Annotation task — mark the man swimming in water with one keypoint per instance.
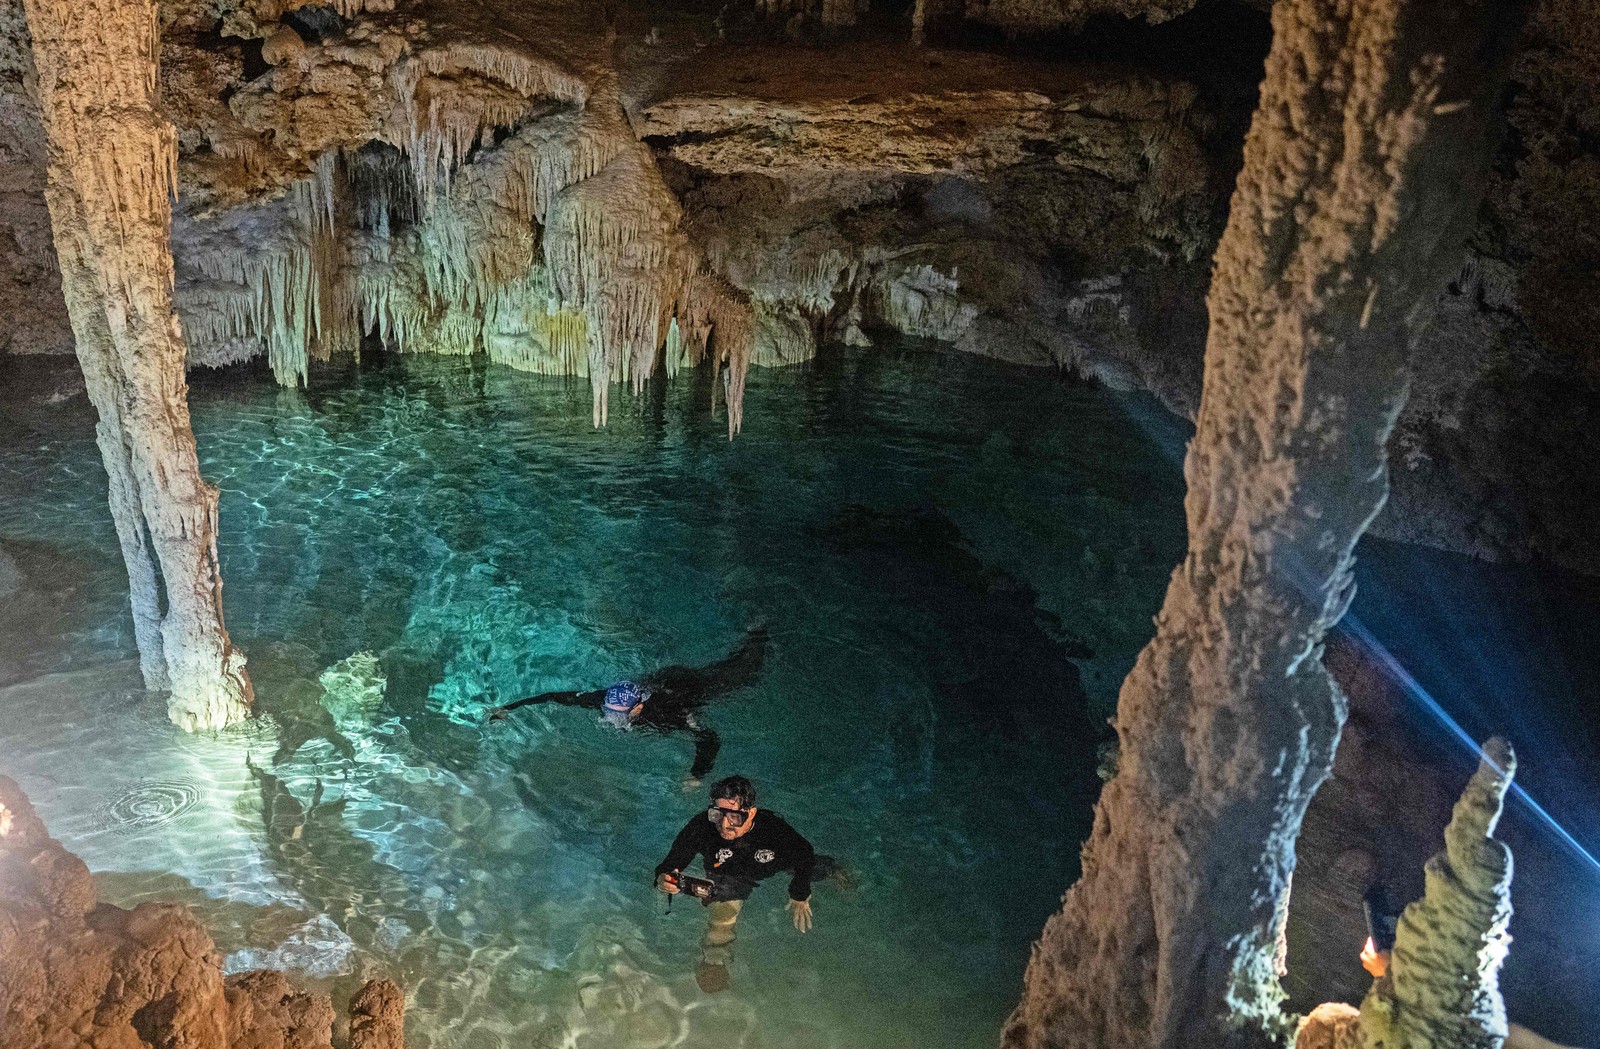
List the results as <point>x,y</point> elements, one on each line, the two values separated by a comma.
<point>740,846</point>
<point>669,699</point>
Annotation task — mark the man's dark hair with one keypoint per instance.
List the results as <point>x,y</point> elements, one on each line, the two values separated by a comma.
<point>736,789</point>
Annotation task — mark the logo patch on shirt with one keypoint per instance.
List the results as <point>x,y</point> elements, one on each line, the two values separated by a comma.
<point>765,856</point>
<point>723,856</point>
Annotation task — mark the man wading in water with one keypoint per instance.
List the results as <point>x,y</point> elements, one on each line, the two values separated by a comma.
<point>740,845</point>
<point>669,699</point>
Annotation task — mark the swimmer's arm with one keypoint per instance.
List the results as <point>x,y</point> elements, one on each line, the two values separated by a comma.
<point>592,699</point>
<point>803,860</point>
<point>684,846</point>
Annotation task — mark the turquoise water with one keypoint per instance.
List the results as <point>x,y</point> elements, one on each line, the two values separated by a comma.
<point>956,560</point>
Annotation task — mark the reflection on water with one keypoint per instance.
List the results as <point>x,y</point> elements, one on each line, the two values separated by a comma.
<point>956,562</point>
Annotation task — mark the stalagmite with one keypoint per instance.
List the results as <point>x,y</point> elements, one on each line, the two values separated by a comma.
<point>1442,987</point>
<point>1359,180</point>
<point>1442,990</point>
<point>112,172</point>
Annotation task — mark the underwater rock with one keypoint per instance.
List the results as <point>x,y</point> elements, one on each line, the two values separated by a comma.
<point>352,689</point>
<point>377,1016</point>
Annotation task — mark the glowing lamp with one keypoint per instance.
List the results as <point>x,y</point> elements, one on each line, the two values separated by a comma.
<point>1373,960</point>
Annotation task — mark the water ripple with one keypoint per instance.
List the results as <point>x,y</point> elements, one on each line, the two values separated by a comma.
<point>150,805</point>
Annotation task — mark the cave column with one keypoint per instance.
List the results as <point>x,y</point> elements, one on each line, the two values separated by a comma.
<point>112,172</point>
<point>1359,183</point>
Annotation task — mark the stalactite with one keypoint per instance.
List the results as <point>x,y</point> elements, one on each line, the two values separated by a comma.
<point>112,173</point>
<point>921,301</point>
<point>557,249</point>
<point>783,335</point>
<point>1357,190</point>
<point>612,246</point>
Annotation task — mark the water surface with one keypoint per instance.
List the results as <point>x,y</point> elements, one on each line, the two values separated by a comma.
<point>956,561</point>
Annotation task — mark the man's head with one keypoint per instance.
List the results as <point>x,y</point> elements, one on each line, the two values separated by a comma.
<point>622,704</point>
<point>733,807</point>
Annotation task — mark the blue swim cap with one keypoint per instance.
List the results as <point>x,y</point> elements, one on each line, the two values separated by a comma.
<point>624,696</point>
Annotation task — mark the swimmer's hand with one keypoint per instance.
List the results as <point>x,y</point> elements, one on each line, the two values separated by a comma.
<point>668,884</point>
<point>800,911</point>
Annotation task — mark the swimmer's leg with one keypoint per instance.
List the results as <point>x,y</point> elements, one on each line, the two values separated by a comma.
<point>716,949</point>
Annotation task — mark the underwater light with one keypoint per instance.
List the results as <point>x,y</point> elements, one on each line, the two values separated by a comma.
<point>1432,706</point>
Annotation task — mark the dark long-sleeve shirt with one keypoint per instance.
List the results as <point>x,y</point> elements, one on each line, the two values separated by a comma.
<point>676,696</point>
<point>663,712</point>
<point>735,867</point>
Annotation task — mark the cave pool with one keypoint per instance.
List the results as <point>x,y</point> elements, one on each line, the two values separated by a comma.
<point>956,560</point>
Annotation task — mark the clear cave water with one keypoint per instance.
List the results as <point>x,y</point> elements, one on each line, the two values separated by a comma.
<point>956,561</point>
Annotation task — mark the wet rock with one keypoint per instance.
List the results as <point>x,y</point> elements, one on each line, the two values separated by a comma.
<point>377,1016</point>
<point>266,1011</point>
<point>75,973</point>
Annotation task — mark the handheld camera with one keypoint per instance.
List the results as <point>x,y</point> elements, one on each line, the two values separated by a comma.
<point>699,888</point>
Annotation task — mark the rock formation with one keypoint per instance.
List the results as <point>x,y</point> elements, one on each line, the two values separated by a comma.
<point>111,176</point>
<point>1345,222</point>
<point>75,974</point>
<point>370,170</point>
<point>1441,989</point>
<point>377,1016</point>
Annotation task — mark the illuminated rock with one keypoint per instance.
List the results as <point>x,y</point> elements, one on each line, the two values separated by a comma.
<point>1334,1025</point>
<point>1442,990</point>
<point>377,1016</point>
<point>1442,987</point>
<point>1344,224</point>
<point>75,973</point>
<point>112,174</point>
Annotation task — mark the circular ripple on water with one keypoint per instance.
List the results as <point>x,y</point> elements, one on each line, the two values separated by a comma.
<point>150,804</point>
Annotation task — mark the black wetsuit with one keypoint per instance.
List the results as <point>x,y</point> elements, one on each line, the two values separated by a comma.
<point>735,867</point>
<point>676,696</point>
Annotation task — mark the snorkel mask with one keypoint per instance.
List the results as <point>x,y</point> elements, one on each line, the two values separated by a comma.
<point>620,700</point>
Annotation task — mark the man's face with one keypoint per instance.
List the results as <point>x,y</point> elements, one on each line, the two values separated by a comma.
<point>726,813</point>
<point>620,719</point>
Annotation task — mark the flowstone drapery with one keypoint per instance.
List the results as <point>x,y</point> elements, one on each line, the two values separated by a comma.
<point>484,201</point>
<point>112,174</point>
<point>1359,180</point>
